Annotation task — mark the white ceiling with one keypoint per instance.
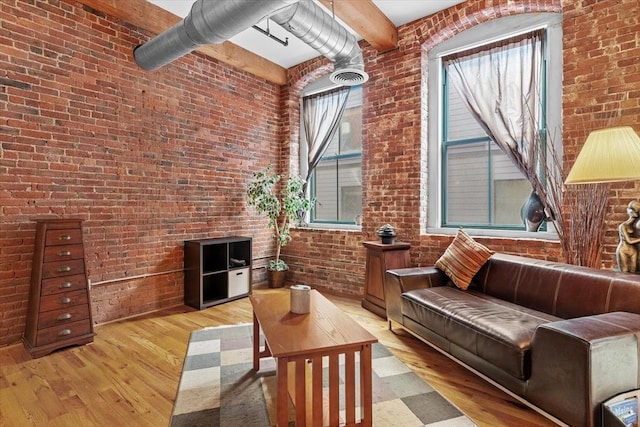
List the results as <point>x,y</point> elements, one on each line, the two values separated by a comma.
<point>398,11</point>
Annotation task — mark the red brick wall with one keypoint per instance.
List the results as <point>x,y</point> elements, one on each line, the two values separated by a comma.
<point>602,87</point>
<point>148,159</point>
<point>151,159</point>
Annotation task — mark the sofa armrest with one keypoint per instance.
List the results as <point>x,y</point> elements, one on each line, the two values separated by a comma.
<point>577,364</point>
<point>398,281</point>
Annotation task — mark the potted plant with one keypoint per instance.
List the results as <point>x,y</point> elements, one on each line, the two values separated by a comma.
<point>280,209</point>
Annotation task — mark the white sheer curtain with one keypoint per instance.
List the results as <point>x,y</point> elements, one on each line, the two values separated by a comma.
<point>321,115</point>
<point>502,89</point>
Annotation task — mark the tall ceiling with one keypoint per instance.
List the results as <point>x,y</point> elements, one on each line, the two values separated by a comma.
<point>375,21</point>
<point>398,12</point>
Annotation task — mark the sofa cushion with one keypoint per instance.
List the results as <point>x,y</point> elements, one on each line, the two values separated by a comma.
<point>497,331</point>
<point>462,259</point>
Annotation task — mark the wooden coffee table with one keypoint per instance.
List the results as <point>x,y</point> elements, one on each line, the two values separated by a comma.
<point>299,342</point>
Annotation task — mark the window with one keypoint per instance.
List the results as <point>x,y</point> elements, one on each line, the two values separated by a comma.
<point>481,186</point>
<point>336,182</point>
<point>472,182</point>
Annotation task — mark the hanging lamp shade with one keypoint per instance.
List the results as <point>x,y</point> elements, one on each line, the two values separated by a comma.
<point>608,155</point>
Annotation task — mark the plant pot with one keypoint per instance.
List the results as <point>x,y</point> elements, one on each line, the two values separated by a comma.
<point>276,278</point>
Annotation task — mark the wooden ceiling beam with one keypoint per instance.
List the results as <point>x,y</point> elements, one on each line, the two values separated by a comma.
<point>367,20</point>
<point>156,20</point>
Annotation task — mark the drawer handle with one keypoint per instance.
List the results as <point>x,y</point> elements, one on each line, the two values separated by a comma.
<point>64,253</point>
<point>65,316</point>
<point>64,269</point>
<point>64,237</point>
<point>65,300</point>
<point>240,273</point>
<point>64,332</point>
<point>64,285</point>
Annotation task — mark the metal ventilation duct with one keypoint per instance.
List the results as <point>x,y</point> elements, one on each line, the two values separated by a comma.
<point>214,21</point>
<point>307,21</point>
<point>209,22</point>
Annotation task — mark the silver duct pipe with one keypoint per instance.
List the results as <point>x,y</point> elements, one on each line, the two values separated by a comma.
<point>209,22</point>
<point>314,26</point>
<point>214,21</point>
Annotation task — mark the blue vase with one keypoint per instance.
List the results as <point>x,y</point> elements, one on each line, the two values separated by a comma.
<point>532,212</point>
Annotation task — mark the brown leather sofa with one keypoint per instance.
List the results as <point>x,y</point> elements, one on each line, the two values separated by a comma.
<point>564,338</point>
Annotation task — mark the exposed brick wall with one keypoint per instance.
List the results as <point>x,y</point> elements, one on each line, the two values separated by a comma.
<point>600,38</point>
<point>151,159</point>
<point>148,159</point>
<point>331,261</point>
<point>602,87</point>
<point>392,157</point>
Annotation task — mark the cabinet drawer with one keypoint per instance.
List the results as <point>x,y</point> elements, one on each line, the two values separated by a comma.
<point>57,285</point>
<point>63,332</point>
<point>61,301</point>
<point>62,268</point>
<point>62,253</point>
<point>238,282</point>
<point>71,236</point>
<point>63,316</point>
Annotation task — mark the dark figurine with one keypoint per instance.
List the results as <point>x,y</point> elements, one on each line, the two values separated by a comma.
<point>387,234</point>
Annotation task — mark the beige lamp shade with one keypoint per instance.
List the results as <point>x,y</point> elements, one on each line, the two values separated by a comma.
<point>608,155</point>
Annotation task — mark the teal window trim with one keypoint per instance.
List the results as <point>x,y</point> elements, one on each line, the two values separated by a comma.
<point>489,145</point>
<point>334,222</point>
<point>312,213</point>
<point>446,143</point>
<point>443,145</point>
<point>551,130</point>
<point>337,158</point>
<point>341,157</point>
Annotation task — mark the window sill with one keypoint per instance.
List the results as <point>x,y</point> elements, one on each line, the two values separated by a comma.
<point>550,235</point>
<point>322,226</point>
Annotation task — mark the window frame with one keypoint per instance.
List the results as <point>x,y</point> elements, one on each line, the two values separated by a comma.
<point>337,158</point>
<point>433,122</point>
<point>324,85</point>
<point>490,149</point>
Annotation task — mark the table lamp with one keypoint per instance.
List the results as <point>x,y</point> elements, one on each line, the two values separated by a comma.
<point>613,155</point>
<point>608,155</point>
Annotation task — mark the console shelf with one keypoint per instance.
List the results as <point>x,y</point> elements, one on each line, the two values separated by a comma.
<point>216,270</point>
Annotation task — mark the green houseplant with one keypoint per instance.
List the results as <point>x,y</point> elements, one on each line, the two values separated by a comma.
<point>281,209</point>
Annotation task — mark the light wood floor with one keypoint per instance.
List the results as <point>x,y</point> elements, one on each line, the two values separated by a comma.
<point>129,375</point>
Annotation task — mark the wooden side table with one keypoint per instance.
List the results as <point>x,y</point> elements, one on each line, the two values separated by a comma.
<point>380,258</point>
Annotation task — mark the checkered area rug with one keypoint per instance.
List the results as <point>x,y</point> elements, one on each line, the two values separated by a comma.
<point>219,388</point>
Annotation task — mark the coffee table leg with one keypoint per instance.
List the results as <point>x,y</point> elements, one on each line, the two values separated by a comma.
<point>282,402</point>
<point>256,344</point>
<point>366,382</point>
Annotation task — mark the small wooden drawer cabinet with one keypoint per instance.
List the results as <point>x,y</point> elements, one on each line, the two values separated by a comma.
<point>59,312</point>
